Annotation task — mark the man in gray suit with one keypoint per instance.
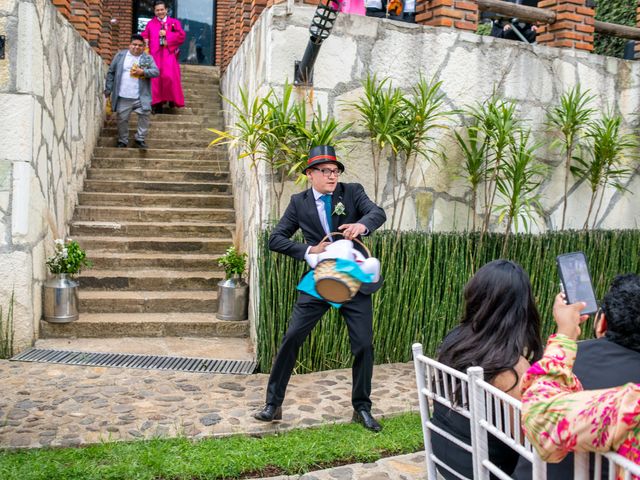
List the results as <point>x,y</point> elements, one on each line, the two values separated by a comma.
<point>128,84</point>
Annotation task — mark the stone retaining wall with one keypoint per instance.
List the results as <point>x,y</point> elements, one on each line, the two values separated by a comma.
<point>51,110</point>
<point>470,67</point>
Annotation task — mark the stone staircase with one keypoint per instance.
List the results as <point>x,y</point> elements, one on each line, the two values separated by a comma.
<point>154,222</point>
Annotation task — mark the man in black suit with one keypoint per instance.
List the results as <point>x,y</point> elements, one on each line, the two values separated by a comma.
<point>610,360</point>
<point>327,206</point>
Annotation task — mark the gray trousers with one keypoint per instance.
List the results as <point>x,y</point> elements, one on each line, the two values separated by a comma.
<point>124,109</point>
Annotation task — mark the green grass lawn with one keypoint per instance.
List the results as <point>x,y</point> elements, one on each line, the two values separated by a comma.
<point>239,456</point>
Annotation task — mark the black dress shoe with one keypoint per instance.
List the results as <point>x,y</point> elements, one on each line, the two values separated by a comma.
<point>122,145</point>
<point>141,144</point>
<point>364,418</point>
<point>269,413</point>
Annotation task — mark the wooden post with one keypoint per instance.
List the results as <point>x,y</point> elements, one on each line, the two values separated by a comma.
<point>460,14</point>
<point>573,28</point>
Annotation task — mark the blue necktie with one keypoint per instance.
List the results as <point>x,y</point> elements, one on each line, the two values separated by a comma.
<point>327,210</point>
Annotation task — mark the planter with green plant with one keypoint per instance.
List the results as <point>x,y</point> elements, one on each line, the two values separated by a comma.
<point>61,290</point>
<point>233,291</point>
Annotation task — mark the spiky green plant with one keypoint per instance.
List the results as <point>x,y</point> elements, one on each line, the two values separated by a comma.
<point>247,134</point>
<point>472,146</point>
<point>422,113</point>
<point>569,119</point>
<point>518,185</point>
<point>603,165</point>
<point>381,112</point>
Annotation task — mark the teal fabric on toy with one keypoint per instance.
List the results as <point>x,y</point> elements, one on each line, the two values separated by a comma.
<point>308,282</point>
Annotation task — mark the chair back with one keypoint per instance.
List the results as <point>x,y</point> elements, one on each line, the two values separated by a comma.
<point>618,466</point>
<point>437,382</point>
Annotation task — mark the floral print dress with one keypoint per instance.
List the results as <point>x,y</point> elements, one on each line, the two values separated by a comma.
<point>559,417</point>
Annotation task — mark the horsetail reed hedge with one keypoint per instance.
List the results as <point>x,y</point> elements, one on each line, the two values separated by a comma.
<point>421,299</point>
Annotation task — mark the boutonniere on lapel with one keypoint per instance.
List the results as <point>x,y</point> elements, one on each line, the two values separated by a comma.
<point>339,209</point>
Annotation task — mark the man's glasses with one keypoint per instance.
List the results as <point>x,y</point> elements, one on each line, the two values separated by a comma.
<point>327,172</point>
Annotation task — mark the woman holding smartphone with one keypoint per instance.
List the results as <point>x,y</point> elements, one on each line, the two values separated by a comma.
<point>500,332</point>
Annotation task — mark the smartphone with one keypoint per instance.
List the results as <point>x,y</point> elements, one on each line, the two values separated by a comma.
<point>576,281</point>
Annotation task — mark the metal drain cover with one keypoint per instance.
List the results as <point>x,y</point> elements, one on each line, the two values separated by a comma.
<point>127,360</point>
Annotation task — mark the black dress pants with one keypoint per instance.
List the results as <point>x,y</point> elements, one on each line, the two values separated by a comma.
<point>358,314</point>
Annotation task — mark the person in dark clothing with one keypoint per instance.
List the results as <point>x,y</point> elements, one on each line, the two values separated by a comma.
<point>500,332</point>
<point>610,360</point>
<point>501,28</point>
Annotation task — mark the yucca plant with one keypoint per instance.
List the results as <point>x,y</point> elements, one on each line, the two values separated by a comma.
<point>279,139</point>
<point>247,134</point>
<point>381,111</point>
<point>497,120</point>
<point>473,148</point>
<point>603,165</point>
<point>521,177</point>
<point>421,115</point>
<point>569,120</point>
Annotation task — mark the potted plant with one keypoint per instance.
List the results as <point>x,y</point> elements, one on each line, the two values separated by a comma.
<point>233,291</point>
<point>61,291</point>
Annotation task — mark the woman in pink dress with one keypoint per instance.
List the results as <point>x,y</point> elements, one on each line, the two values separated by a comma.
<point>164,35</point>
<point>355,7</point>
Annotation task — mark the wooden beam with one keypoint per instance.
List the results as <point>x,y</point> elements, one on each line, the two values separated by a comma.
<point>521,12</point>
<point>615,30</point>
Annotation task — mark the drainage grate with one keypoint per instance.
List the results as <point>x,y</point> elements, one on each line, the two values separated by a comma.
<point>147,362</point>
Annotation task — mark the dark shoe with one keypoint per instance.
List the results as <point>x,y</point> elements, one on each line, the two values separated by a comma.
<point>122,145</point>
<point>269,413</point>
<point>364,418</point>
<point>156,108</point>
<point>141,144</point>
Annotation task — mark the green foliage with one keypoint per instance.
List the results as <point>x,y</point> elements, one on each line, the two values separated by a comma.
<point>288,453</point>
<point>425,274</point>
<point>603,165</point>
<point>622,12</point>
<point>233,262</point>
<point>6,330</point>
<point>569,119</point>
<point>68,258</point>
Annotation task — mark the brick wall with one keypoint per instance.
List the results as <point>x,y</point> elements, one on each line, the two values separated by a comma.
<point>460,14</point>
<point>573,28</point>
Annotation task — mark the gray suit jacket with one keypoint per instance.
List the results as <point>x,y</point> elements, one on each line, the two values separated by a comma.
<point>112,84</point>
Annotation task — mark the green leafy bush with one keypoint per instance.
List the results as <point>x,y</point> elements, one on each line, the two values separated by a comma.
<point>68,258</point>
<point>6,330</point>
<point>233,262</point>
<point>622,12</point>
<point>424,275</point>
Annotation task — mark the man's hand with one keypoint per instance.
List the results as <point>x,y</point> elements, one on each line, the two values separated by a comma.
<point>352,230</point>
<point>137,71</point>
<point>319,248</point>
<point>568,317</point>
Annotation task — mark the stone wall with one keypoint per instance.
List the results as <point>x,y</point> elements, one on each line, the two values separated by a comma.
<point>51,110</point>
<point>470,67</point>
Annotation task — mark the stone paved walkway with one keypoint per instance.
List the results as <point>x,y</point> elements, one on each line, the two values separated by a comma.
<point>59,405</point>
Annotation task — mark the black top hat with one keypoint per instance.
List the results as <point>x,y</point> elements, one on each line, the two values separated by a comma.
<point>323,154</point>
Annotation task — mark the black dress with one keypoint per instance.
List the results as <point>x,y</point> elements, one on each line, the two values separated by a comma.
<point>457,425</point>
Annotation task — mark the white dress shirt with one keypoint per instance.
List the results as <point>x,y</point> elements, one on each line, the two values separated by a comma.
<point>129,86</point>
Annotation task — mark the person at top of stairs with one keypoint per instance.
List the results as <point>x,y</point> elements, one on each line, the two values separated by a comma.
<point>128,85</point>
<point>164,35</point>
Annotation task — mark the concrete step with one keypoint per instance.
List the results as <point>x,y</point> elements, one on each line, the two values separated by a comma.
<point>173,200</point>
<point>154,260</point>
<point>150,244</point>
<point>160,301</point>
<point>165,133</point>
<point>215,120</point>
<point>160,164</point>
<point>231,348</point>
<point>164,153</point>
<point>147,280</point>
<point>139,186</point>
<point>147,324</point>
<point>159,229</point>
<point>158,143</point>
<point>135,174</point>
<point>152,214</point>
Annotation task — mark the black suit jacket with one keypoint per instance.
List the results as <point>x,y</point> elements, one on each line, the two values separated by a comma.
<point>302,214</point>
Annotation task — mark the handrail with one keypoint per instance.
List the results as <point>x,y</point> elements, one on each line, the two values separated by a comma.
<point>543,15</point>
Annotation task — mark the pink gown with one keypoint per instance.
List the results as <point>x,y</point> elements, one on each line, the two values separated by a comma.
<point>355,7</point>
<point>167,87</point>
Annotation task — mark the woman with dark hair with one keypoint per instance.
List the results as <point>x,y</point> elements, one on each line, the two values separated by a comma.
<point>500,332</point>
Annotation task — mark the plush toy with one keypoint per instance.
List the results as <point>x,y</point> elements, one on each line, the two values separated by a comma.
<point>344,249</point>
